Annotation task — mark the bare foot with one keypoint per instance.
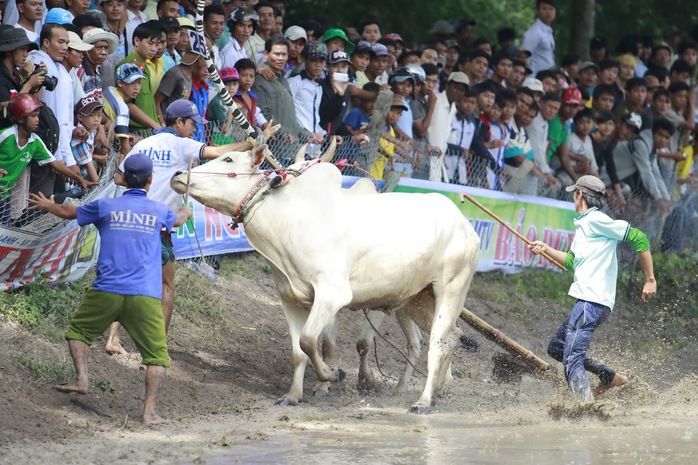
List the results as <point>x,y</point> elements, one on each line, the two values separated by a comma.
<point>152,419</point>
<point>618,380</point>
<point>77,386</point>
<point>115,348</point>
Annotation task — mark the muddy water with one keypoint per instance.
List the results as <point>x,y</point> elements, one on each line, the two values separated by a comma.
<point>449,439</point>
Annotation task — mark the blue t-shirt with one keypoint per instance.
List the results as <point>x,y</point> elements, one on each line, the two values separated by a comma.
<point>356,119</point>
<point>129,255</point>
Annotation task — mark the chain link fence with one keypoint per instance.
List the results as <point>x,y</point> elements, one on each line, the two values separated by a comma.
<point>670,225</point>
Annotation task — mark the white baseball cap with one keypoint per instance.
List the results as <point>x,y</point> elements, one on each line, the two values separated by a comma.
<point>533,84</point>
<point>76,43</point>
<point>294,33</point>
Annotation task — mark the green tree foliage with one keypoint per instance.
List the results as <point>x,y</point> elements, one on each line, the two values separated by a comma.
<point>413,19</point>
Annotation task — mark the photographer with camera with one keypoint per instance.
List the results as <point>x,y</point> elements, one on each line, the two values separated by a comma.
<point>17,74</point>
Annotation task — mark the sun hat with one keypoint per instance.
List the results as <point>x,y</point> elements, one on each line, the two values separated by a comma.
<point>588,64</point>
<point>442,27</point>
<point>363,46</point>
<point>76,43</point>
<point>334,33</point>
<point>533,84</point>
<point>380,50</point>
<point>398,102</point>
<point>394,36</point>
<point>95,35</point>
<point>571,96</point>
<point>12,38</point>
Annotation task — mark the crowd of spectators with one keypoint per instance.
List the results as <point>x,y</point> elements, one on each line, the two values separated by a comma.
<point>502,115</point>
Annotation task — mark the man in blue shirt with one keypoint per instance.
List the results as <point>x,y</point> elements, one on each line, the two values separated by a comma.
<point>539,39</point>
<point>593,257</point>
<point>128,283</point>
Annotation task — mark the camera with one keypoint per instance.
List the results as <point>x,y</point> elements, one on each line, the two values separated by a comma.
<point>50,82</point>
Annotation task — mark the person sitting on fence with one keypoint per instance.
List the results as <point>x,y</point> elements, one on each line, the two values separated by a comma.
<point>128,227</point>
<point>19,146</point>
<point>172,150</point>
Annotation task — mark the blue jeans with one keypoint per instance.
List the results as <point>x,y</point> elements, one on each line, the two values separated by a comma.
<point>570,345</point>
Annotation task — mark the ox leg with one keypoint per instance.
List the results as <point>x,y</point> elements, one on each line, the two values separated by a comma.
<point>443,339</point>
<point>296,318</point>
<point>325,307</point>
<point>329,344</point>
<point>414,346</point>
<point>364,345</point>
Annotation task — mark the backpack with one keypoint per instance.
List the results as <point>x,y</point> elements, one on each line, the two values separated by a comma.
<point>49,129</point>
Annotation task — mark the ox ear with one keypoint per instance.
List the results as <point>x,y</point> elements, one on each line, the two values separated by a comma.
<point>329,153</point>
<point>258,155</point>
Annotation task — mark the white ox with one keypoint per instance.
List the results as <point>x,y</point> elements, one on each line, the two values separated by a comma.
<point>331,248</point>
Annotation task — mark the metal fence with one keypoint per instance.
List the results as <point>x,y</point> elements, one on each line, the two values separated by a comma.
<point>670,226</point>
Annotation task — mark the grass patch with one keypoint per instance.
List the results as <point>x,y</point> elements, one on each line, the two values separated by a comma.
<point>43,308</point>
<point>45,371</point>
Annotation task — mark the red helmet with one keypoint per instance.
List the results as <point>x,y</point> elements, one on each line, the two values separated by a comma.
<point>22,105</point>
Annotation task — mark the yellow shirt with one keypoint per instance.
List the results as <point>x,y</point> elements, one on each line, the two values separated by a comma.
<point>383,155</point>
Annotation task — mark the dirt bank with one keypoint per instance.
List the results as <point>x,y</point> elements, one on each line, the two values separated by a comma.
<point>231,358</point>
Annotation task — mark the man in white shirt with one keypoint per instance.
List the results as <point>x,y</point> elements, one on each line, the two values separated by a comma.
<point>242,24</point>
<point>538,134</point>
<point>539,39</point>
<point>255,46</point>
<point>134,17</point>
<point>440,127</point>
<point>31,15</point>
<point>54,48</point>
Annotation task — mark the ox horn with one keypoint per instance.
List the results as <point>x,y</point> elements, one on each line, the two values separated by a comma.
<point>269,157</point>
<point>329,153</point>
<point>300,155</point>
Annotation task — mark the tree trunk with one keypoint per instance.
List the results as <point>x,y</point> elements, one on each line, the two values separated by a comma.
<point>582,27</point>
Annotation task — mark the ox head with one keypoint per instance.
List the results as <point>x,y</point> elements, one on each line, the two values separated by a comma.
<point>222,183</point>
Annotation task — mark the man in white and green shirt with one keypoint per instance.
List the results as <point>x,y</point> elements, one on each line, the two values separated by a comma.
<point>593,257</point>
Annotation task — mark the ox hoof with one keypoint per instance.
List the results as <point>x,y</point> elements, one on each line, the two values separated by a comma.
<point>341,374</point>
<point>321,393</point>
<point>284,401</point>
<point>419,410</point>
<point>469,344</point>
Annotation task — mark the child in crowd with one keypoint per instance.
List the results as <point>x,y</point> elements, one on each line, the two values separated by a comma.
<point>604,143</point>
<point>245,99</point>
<point>460,139</point>
<point>142,110</point>
<point>89,114</point>
<point>19,146</point>
<point>498,137</point>
<point>199,95</point>
<point>357,119</point>
<point>171,56</point>
<point>114,100</point>
<point>388,142</point>
<point>581,148</point>
<point>218,112</point>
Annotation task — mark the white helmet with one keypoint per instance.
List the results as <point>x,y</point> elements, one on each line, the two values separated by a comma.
<point>418,72</point>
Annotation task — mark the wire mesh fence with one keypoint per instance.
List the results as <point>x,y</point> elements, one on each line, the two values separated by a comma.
<point>671,225</point>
